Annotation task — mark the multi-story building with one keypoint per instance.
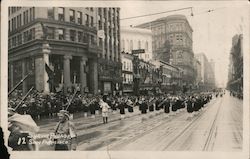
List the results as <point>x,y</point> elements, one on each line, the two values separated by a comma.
<point>127,72</point>
<point>133,39</point>
<point>59,47</point>
<point>109,62</point>
<point>137,38</point>
<point>207,72</point>
<point>235,72</point>
<point>172,43</point>
<point>171,77</point>
<point>198,72</point>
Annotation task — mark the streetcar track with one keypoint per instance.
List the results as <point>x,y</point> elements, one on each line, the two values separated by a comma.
<point>185,129</point>
<point>134,138</point>
<point>134,126</point>
<point>148,127</point>
<point>212,129</point>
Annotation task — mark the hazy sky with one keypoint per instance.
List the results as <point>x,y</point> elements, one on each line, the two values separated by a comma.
<point>212,31</point>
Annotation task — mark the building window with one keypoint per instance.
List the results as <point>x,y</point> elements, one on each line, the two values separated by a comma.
<point>32,13</point>
<point>92,21</point>
<point>92,40</point>
<point>80,36</point>
<point>51,33</point>
<point>14,24</point>
<point>51,13</point>
<point>79,17</point>
<point>18,24</point>
<point>9,25</point>
<point>100,25</point>
<point>61,34</point>
<point>71,15</point>
<point>9,43</point>
<point>14,41</point>
<point>139,44</point>
<point>31,34</point>
<point>25,17</point>
<point>72,35</point>
<point>86,19</point>
<point>61,14</point>
<point>25,36</point>
<point>19,39</point>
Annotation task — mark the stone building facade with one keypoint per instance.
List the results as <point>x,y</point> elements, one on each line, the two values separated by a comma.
<point>136,38</point>
<point>172,43</point>
<point>109,62</point>
<point>65,39</point>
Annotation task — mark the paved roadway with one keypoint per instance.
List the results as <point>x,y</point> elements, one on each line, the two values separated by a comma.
<point>218,127</point>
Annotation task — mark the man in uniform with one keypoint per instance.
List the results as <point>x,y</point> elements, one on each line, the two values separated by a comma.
<point>65,133</point>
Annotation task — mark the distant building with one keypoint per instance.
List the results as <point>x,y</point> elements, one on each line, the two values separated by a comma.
<point>172,43</point>
<point>198,69</point>
<point>235,72</point>
<point>137,38</point>
<point>127,72</point>
<point>207,72</point>
<point>171,77</point>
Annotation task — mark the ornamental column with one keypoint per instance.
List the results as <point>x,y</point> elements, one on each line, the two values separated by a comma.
<point>83,76</point>
<point>66,72</point>
<point>46,52</point>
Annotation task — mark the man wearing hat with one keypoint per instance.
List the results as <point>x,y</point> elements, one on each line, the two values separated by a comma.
<point>65,133</point>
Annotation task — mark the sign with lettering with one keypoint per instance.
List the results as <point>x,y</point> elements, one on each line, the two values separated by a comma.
<point>139,51</point>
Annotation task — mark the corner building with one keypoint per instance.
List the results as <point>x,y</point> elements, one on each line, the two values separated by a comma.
<point>172,37</point>
<point>109,61</point>
<point>71,50</point>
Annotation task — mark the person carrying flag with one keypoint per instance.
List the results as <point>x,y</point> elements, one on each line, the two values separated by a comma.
<point>65,133</point>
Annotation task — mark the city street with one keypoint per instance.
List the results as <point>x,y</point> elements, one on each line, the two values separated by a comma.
<point>218,127</point>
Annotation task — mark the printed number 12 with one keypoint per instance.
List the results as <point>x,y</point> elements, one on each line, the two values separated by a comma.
<point>21,141</point>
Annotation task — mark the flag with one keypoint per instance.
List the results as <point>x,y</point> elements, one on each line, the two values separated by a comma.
<point>51,76</point>
<point>25,122</point>
<point>49,72</point>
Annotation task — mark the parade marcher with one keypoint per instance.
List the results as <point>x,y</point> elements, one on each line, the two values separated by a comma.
<point>143,106</point>
<point>92,108</point>
<point>130,106</point>
<point>105,108</point>
<point>167,105</point>
<point>65,133</point>
<point>121,106</point>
